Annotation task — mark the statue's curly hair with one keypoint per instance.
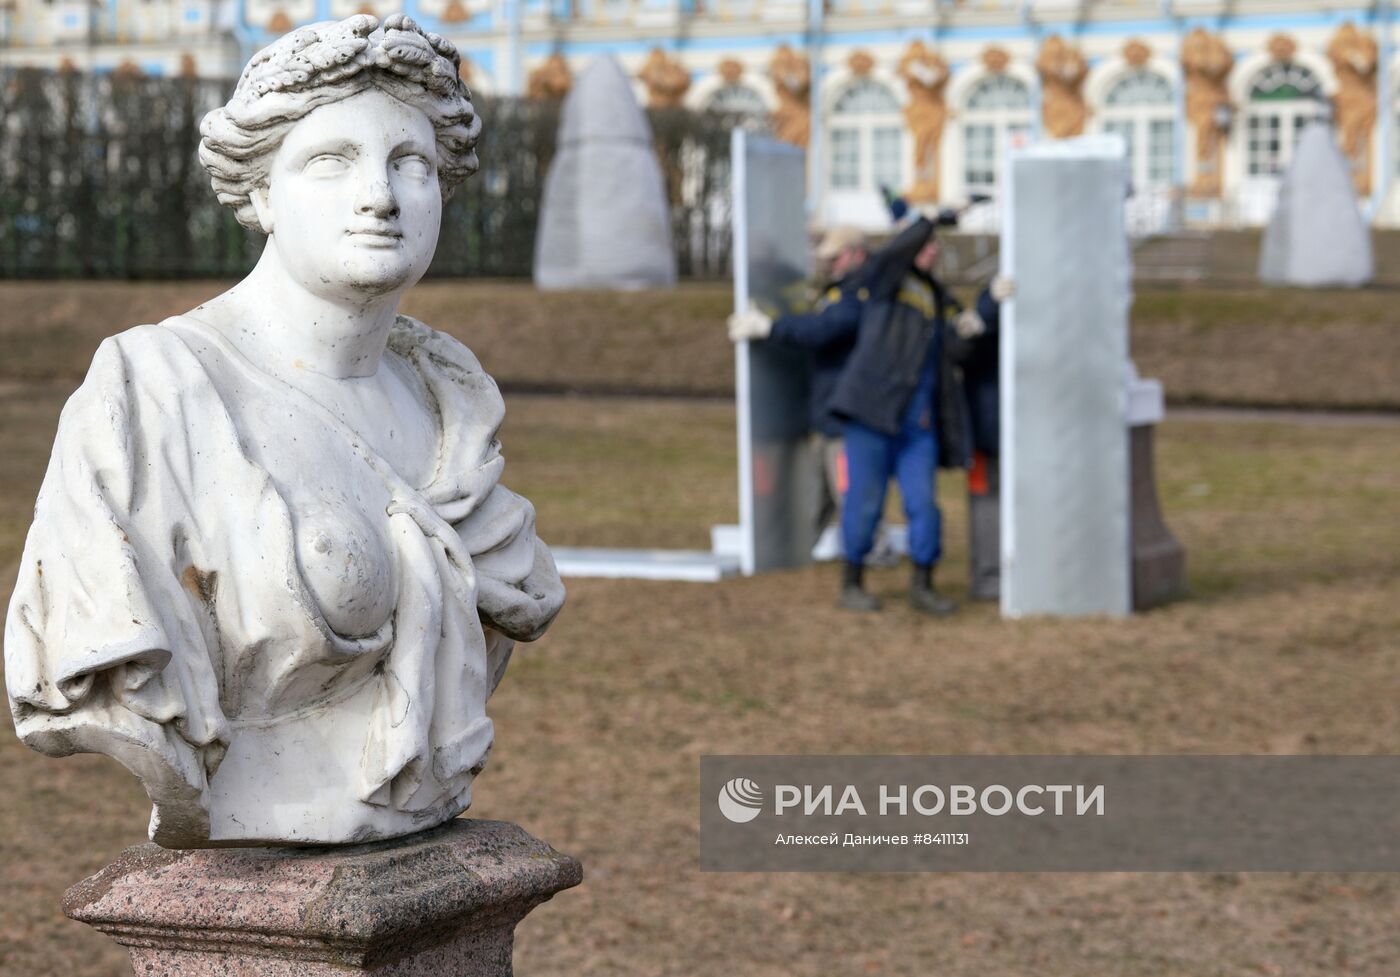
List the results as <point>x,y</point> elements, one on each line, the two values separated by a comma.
<point>324,63</point>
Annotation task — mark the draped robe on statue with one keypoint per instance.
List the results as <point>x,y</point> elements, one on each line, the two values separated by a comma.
<point>229,591</point>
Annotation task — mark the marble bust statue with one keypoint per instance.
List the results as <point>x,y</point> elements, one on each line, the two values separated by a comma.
<point>272,568</point>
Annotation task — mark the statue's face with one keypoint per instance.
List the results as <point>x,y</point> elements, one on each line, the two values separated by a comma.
<point>353,202</point>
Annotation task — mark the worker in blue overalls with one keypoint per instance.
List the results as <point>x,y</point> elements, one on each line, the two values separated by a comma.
<point>904,414</point>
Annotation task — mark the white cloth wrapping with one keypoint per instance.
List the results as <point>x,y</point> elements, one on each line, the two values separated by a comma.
<point>162,601</point>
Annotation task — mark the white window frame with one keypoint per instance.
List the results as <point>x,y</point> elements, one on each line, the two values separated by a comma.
<point>1290,115</point>
<point>848,122</point>
<point>1006,122</point>
<point>737,93</point>
<point>1135,119</point>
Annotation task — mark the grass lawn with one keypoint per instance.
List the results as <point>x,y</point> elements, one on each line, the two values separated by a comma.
<point>1290,643</point>
<point>1330,348</point>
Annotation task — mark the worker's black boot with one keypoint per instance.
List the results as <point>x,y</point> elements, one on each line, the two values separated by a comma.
<point>854,597</point>
<point>924,598</point>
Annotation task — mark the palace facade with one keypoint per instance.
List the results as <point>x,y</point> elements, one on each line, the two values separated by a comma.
<point>922,95</point>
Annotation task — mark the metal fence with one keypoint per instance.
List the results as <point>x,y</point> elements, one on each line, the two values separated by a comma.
<point>99,179</point>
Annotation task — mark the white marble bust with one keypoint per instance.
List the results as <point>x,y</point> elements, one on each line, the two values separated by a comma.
<point>272,568</point>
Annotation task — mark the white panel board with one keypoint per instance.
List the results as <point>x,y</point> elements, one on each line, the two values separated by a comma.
<point>771,262</point>
<point>691,565</point>
<point>1066,540</point>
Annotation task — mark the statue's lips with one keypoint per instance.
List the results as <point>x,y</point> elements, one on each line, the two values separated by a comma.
<point>374,238</point>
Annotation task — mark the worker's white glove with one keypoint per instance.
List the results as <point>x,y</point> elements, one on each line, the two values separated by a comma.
<point>968,324</point>
<point>1002,288</point>
<point>749,324</point>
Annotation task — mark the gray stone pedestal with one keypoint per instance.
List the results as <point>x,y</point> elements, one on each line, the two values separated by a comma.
<point>443,903</point>
<point>984,528</point>
<point>1159,562</point>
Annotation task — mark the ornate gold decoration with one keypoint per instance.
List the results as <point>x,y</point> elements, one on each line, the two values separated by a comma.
<point>128,70</point>
<point>995,59</point>
<point>1062,72</point>
<point>792,78</point>
<point>456,13</point>
<point>1136,53</point>
<point>666,80</point>
<point>1354,58</point>
<point>551,79</point>
<point>279,23</point>
<point>1282,48</point>
<point>926,76</point>
<point>860,63</point>
<point>188,67</point>
<point>731,71</point>
<point>1206,62</point>
<point>466,70</point>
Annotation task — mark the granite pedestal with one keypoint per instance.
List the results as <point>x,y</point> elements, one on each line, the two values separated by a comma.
<point>442,903</point>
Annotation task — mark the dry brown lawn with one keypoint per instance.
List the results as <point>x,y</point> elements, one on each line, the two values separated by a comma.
<point>1290,643</point>
<point>1329,348</point>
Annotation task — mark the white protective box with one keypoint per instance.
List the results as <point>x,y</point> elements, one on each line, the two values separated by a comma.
<point>1065,502</point>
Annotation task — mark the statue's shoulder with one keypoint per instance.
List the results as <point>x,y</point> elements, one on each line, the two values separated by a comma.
<point>411,338</point>
<point>148,355</point>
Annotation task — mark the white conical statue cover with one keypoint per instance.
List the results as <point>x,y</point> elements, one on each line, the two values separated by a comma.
<point>1317,236</point>
<point>604,221</point>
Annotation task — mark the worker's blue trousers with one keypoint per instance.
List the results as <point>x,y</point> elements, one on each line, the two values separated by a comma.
<point>872,458</point>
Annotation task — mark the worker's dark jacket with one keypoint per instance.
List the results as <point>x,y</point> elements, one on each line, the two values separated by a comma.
<point>899,331</point>
<point>979,358</point>
<point>830,334</point>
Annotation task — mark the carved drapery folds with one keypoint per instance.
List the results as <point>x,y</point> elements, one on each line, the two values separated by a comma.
<point>792,80</point>
<point>1206,63</point>
<point>1354,58</point>
<point>1062,71</point>
<point>551,79</point>
<point>926,76</point>
<point>666,80</point>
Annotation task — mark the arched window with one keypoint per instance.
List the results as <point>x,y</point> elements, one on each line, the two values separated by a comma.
<point>1282,101</point>
<point>866,138</point>
<point>997,116</point>
<point>1140,107</point>
<point>737,98</point>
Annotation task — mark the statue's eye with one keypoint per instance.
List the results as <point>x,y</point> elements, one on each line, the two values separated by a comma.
<point>326,165</point>
<point>413,167</point>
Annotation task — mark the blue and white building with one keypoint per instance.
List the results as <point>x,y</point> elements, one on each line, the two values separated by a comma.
<point>860,136</point>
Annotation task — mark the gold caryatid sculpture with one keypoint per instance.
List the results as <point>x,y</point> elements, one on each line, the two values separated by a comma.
<point>1206,62</point>
<point>1354,59</point>
<point>995,59</point>
<point>1062,71</point>
<point>926,75</point>
<point>666,80</point>
<point>551,80</point>
<point>792,80</point>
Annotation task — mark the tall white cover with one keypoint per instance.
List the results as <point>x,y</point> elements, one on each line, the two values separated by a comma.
<point>1065,488</point>
<point>1317,237</point>
<point>604,222</point>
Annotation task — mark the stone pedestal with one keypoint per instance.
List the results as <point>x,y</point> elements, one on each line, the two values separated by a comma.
<point>984,527</point>
<point>443,903</point>
<point>1159,562</point>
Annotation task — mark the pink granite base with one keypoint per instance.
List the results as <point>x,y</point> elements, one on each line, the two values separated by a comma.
<point>443,903</point>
